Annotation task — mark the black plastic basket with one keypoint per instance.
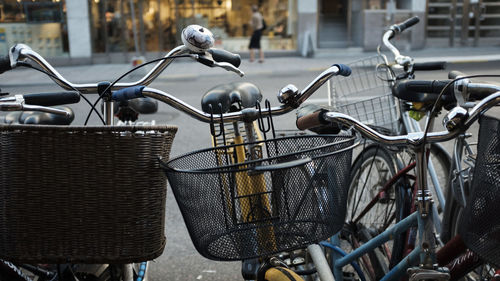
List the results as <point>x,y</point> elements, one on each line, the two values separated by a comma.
<point>293,197</point>
<point>480,224</point>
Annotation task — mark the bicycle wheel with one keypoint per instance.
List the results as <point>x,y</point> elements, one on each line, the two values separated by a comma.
<point>105,272</point>
<point>366,218</point>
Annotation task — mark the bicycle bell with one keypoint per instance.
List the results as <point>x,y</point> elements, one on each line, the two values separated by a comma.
<point>197,38</point>
<point>455,118</point>
<point>287,93</point>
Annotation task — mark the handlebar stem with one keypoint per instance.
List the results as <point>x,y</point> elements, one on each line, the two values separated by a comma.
<point>400,59</point>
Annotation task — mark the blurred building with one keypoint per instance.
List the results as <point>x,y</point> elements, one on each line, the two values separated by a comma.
<point>77,31</point>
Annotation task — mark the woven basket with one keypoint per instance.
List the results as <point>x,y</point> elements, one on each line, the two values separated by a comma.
<point>82,194</point>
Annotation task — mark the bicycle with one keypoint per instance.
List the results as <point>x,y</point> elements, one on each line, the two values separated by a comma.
<point>457,121</point>
<point>368,95</point>
<point>143,249</point>
<point>196,47</point>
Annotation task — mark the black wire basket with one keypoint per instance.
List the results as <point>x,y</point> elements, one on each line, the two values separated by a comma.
<point>480,224</point>
<point>293,196</point>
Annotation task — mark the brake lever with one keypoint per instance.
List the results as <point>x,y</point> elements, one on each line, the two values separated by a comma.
<point>229,67</point>
<point>16,106</point>
<point>207,60</point>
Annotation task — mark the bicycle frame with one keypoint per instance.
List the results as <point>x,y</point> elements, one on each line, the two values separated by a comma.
<point>425,252</point>
<point>400,269</point>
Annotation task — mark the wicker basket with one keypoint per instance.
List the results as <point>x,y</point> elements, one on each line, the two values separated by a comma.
<point>294,197</point>
<point>480,223</point>
<point>366,94</point>
<point>82,194</point>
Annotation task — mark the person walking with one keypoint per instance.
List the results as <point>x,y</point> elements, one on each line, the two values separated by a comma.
<point>257,24</point>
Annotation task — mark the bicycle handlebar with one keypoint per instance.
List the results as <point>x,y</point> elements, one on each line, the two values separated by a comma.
<point>437,65</point>
<point>220,55</point>
<point>204,54</point>
<point>222,59</point>
<point>52,99</point>
<point>398,28</point>
<point>247,114</point>
<point>39,102</point>
<point>414,139</point>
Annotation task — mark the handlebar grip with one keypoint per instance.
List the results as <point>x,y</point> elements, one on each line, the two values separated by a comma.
<point>128,93</point>
<point>406,24</point>
<point>5,63</point>
<point>309,121</point>
<point>220,55</point>
<point>51,99</point>
<point>455,74</point>
<point>344,70</point>
<point>438,65</point>
<point>419,90</point>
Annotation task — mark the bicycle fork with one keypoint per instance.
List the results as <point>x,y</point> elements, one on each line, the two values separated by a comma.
<point>428,268</point>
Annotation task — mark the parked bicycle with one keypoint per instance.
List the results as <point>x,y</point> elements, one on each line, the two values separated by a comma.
<point>457,121</point>
<point>376,199</point>
<point>262,210</point>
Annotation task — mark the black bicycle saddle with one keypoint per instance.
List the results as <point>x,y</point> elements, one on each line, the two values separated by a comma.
<point>40,118</point>
<point>242,93</point>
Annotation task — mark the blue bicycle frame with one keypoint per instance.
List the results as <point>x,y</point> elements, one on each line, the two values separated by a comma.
<point>397,229</point>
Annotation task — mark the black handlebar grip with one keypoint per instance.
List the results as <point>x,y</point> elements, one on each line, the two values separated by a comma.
<point>51,99</point>
<point>225,56</point>
<point>438,65</point>
<point>422,90</point>
<point>5,64</point>
<point>455,74</point>
<point>344,70</point>
<point>406,24</point>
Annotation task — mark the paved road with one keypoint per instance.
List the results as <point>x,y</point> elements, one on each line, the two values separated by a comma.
<point>180,261</point>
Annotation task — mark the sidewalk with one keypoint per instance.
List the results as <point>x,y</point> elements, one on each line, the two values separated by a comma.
<point>185,68</point>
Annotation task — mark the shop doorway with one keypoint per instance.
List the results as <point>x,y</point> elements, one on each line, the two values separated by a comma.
<point>334,23</point>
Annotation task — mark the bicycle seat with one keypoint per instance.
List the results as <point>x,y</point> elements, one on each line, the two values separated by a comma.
<point>40,118</point>
<point>243,93</point>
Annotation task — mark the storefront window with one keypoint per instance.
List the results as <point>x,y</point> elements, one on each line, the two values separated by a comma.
<point>154,25</point>
<point>39,24</point>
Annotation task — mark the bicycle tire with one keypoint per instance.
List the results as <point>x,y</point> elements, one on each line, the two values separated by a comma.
<point>373,167</point>
<point>94,272</point>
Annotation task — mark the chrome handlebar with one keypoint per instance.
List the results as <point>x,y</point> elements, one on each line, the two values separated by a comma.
<point>247,114</point>
<point>22,52</point>
<point>400,59</point>
<point>416,139</point>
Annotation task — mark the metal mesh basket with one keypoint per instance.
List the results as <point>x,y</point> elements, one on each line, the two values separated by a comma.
<point>480,223</point>
<point>294,197</point>
<point>365,94</point>
<point>82,194</point>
